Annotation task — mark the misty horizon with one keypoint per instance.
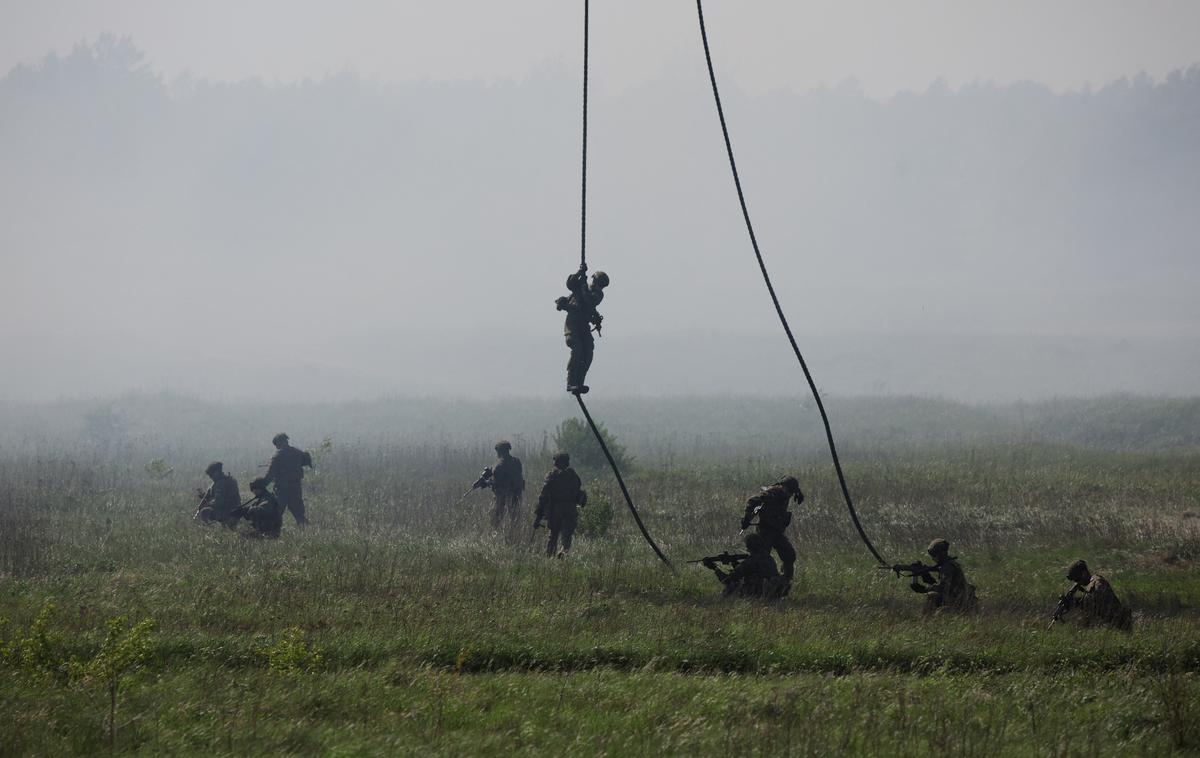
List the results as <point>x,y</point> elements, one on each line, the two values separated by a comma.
<point>342,237</point>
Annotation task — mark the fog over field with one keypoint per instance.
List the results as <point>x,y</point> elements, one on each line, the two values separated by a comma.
<point>376,225</point>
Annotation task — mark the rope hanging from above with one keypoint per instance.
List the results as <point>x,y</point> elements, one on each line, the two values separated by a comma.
<point>837,464</point>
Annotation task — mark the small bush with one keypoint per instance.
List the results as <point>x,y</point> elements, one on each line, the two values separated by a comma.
<point>595,518</point>
<point>575,437</point>
<point>292,653</point>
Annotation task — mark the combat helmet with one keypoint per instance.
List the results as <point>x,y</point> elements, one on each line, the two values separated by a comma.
<point>216,467</point>
<point>600,279</point>
<point>755,542</point>
<point>503,445</point>
<point>563,458</point>
<point>938,546</point>
<point>279,439</point>
<point>1077,571</point>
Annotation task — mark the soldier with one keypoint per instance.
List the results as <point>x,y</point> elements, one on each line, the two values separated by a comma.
<point>286,471</point>
<point>1098,603</point>
<point>756,576</point>
<point>561,494</point>
<point>508,484</point>
<point>265,513</point>
<point>221,499</point>
<point>771,508</point>
<point>581,315</point>
<point>951,590</point>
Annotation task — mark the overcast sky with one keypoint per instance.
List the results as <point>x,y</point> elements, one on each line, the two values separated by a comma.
<point>886,45</point>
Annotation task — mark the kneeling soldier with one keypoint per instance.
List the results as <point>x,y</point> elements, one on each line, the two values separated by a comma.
<point>562,494</point>
<point>265,512</point>
<point>1097,603</point>
<point>221,499</point>
<point>950,590</point>
<point>757,575</point>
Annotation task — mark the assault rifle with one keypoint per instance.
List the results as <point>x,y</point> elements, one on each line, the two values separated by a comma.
<point>203,502</point>
<point>1064,604</point>
<point>482,483</point>
<point>911,570</point>
<point>729,559</point>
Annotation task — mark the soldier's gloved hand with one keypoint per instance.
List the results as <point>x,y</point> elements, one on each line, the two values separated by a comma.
<point>561,303</point>
<point>745,523</point>
<point>583,268</point>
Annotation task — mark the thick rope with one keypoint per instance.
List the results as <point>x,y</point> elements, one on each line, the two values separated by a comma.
<point>775,299</point>
<point>583,177</point>
<point>621,482</point>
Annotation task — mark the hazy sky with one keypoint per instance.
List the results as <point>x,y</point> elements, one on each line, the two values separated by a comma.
<point>764,44</point>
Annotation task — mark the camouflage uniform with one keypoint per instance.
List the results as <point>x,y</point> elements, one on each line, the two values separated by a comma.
<point>577,328</point>
<point>773,517</point>
<point>951,590</point>
<point>265,513</point>
<point>562,493</point>
<point>1098,604</point>
<point>286,471</point>
<point>220,501</point>
<point>757,576</point>
<point>508,484</point>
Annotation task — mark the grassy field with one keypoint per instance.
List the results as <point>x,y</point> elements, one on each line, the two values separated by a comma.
<point>397,623</point>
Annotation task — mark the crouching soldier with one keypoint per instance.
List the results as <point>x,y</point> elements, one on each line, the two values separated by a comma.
<point>562,494</point>
<point>756,575</point>
<point>944,584</point>
<point>221,500</point>
<point>264,512</point>
<point>1095,600</point>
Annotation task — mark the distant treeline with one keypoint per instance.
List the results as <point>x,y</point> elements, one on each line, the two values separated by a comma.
<point>657,431</point>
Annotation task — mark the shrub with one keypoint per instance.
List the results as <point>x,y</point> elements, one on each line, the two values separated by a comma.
<point>575,437</point>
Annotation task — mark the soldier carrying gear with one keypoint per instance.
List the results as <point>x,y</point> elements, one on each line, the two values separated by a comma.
<point>562,494</point>
<point>1097,604</point>
<point>264,512</point>
<point>950,590</point>
<point>757,575</point>
<point>286,470</point>
<point>508,484</point>
<point>770,507</point>
<point>221,499</point>
<point>581,315</point>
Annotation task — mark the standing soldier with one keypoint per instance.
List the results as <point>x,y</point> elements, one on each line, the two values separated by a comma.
<point>1098,604</point>
<point>221,499</point>
<point>950,590</point>
<point>770,507</point>
<point>508,484</point>
<point>561,494</point>
<point>581,315</point>
<point>286,471</point>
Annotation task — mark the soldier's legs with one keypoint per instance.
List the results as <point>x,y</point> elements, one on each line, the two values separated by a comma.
<point>498,511</point>
<point>567,528</point>
<point>582,351</point>
<point>781,545</point>
<point>552,541</point>
<point>292,500</point>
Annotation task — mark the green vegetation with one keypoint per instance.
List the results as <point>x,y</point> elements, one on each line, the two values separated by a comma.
<point>397,623</point>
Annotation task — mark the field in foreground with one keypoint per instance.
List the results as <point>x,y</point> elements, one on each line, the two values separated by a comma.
<point>398,624</point>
